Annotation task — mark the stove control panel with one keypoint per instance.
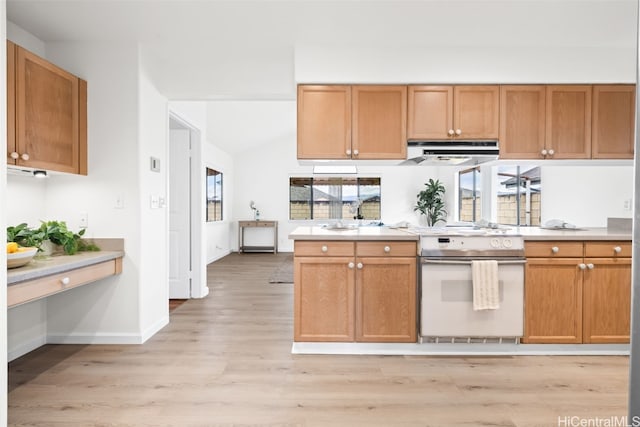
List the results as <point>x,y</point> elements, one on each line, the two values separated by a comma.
<point>471,243</point>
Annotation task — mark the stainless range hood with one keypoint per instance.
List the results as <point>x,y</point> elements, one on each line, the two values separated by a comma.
<point>451,152</point>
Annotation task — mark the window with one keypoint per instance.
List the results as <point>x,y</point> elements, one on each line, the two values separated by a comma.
<point>214,195</point>
<point>334,198</point>
<point>518,195</point>
<point>469,191</point>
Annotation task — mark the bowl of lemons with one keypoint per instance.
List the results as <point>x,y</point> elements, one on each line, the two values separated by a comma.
<point>17,256</point>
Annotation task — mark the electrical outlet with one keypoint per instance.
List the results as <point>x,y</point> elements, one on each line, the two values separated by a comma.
<point>627,205</point>
<point>84,220</point>
<point>119,201</point>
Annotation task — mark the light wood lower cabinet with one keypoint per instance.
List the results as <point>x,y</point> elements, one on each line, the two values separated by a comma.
<point>572,297</point>
<point>32,290</point>
<point>368,298</point>
<point>324,307</point>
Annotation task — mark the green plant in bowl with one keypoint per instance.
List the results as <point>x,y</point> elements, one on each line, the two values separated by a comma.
<point>55,231</point>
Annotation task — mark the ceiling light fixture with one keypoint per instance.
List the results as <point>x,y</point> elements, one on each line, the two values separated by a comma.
<point>40,174</point>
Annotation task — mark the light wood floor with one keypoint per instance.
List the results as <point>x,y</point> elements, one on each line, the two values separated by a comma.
<point>225,361</point>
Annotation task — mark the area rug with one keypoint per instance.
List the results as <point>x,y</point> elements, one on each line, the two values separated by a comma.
<point>283,273</point>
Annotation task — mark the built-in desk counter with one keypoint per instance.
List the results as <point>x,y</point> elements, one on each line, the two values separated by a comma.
<point>46,276</point>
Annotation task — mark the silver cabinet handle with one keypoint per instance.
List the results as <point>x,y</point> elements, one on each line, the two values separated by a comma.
<point>590,266</point>
<point>617,249</point>
<point>351,265</point>
<point>387,249</point>
<point>360,266</point>
<point>582,266</point>
<point>324,249</point>
<point>555,249</point>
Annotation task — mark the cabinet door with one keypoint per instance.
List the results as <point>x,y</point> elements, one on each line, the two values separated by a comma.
<point>607,300</point>
<point>553,301</point>
<point>568,122</point>
<point>11,102</point>
<point>522,127</point>
<point>476,112</point>
<point>430,112</point>
<point>386,299</point>
<point>324,122</point>
<point>47,114</point>
<point>324,299</point>
<point>613,123</point>
<point>379,117</point>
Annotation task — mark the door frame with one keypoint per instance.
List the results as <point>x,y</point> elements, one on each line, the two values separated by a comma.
<point>199,287</point>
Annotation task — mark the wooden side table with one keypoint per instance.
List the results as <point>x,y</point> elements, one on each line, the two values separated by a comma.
<point>255,224</point>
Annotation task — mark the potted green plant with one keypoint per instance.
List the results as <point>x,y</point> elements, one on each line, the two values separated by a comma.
<point>431,202</point>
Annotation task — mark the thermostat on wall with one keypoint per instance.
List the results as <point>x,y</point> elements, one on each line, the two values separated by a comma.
<point>155,164</point>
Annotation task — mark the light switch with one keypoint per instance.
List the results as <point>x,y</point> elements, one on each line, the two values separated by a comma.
<point>155,164</point>
<point>155,201</point>
<point>84,220</point>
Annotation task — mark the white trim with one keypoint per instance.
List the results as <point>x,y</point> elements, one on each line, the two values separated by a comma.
<point>222,255</point>
<point>460,349</point>
<point>26,347</point>
<point>95,338</point>
<point>155,328</point>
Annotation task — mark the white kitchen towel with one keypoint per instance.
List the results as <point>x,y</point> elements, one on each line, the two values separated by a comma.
<point>486,289</point>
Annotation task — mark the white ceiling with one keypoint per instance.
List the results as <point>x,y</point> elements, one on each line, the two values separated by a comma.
<point>243,51</point>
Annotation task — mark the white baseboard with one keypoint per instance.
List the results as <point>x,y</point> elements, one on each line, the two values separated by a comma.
<point>100,338</point>
<point>26,347</point>
<point>222,255</point>
<point>155,328</point>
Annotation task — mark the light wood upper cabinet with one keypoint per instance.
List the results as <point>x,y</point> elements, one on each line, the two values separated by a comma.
<point>476,112</point>
<point>324,122</point>
<point>430,112</point>
<point>445,112</point>
<point>379,117</point>
<point>352,122</point>
<point>48,115</point>
<point>568,122</point>
<point>613,121</point>
<point>522,121</point>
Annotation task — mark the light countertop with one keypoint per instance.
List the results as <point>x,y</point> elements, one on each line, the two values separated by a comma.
<point>41,266</point>
<point>359,233</point>
<point>537,233</point>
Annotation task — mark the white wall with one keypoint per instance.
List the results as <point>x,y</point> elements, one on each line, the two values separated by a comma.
<point>154,225</point>
<point>586,195</point>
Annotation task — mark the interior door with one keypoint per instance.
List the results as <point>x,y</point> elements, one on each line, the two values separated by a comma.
<point>179,214</point>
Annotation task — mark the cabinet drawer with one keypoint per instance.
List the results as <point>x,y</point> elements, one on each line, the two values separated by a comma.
<point>388,249</point>
<point>323,248</point>
<point>553,249</point>
<point>49,285</point>
<point>607,249</point>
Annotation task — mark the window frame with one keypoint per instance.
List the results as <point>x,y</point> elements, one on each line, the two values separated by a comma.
<point>218,214</point>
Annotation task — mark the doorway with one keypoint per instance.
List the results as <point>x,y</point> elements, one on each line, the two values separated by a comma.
<point>185,239</point>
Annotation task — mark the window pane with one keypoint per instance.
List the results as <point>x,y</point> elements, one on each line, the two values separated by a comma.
<point>334,198</point>
<point>300,200</point>
<point>518,195</point>
<point>469,202</point>
<point>214,195</point>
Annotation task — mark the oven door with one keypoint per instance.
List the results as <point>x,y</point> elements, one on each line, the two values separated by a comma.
<point>447,300</point>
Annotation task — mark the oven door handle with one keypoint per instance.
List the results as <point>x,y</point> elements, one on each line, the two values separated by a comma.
<point>462,262</point>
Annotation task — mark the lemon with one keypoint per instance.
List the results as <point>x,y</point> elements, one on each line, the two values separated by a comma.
<point>12,247</point>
